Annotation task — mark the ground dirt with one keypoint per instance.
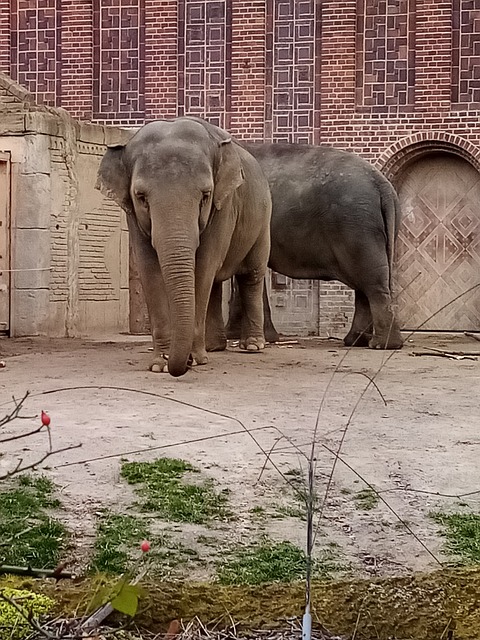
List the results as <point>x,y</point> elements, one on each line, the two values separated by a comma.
<point>420,447</point>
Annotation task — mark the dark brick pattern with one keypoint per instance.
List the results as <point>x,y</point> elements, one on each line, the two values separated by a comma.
<point>204,48</point>
<point>290,60</point>
<point>119,61</point>
<point>385,78</point>
<point>35,48</point>
<point>466,52</point>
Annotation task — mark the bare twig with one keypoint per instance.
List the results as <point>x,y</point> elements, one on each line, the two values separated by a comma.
<point>475,336</point>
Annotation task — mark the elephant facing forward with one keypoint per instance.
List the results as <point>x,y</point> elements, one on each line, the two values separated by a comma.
<point>198,211</point>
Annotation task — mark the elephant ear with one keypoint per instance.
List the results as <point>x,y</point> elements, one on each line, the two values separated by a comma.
<point>228,170</point>
<point>112,178</point>
<point>228,174</point>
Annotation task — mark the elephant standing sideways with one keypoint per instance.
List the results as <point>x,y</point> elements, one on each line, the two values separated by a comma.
<point>198,210</point>
<point>334,217</point>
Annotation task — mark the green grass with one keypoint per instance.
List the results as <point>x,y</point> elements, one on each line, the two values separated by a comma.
<point>29,536</point>
<point>366,499</point>
<point>118,537</point>
<point>117,547</point>
<point>462,531</point>
<point>263,563</point>
<point>163,490</point>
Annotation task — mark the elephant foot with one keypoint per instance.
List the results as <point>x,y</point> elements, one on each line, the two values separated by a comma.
<point>271,335</point>
<point>252,344</point>
<point>393,341</point>
<point>357,339</point>
<point>159,364</point>
<point>199,357</point>
<point>216,344</point>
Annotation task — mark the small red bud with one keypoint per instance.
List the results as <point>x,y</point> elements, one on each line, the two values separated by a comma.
<point>45,419</point>
<point>145,546</point>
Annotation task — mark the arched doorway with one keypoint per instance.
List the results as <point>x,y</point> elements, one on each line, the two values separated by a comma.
<point>438,249</point>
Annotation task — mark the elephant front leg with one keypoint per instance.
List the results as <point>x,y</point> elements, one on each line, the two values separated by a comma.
<point>250,287</point>
<point>155,296</point>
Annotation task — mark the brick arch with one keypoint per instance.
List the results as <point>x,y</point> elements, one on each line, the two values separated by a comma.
<point>407,150</point>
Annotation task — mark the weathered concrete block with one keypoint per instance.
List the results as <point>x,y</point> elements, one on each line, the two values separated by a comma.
<point>30,312</point>
<point>37,158</point>
<point>33,201</point>
<point>31,258</point>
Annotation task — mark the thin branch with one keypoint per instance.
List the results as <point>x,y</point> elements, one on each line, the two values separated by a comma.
<point>27,467</point>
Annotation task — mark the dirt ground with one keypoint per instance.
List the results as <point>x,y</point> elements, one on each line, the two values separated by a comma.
<point>424,440</point>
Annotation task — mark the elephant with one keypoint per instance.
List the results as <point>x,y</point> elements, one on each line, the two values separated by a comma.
<point>334,217</point>
<point>198,211</point>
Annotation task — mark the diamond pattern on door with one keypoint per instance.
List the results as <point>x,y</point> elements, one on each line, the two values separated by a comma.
<point>438,249</point>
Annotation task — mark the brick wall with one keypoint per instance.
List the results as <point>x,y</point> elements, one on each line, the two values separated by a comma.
<point>77,58</point>
<point>372,77</point>
<point>5,36</point>
<point>160,59</point>
<point>248,69</point>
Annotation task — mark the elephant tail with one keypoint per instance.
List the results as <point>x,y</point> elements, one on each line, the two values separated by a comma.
<point>391,213</point>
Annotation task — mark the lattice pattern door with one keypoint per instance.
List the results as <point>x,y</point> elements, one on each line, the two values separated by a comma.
<point>438,250</point>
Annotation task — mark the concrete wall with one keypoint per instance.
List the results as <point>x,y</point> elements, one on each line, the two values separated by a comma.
<point>69,244</point>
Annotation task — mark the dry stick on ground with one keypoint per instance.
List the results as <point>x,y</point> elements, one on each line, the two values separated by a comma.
<point>447,354</point>
<point>475,336</point>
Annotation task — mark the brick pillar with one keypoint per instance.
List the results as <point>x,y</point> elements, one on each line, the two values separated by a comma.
<point>337,70</point>
<point>433,56</point>
<point>77,57</point>
<point>5,36</point>
<point>160,59</point>
<point>248,69</point>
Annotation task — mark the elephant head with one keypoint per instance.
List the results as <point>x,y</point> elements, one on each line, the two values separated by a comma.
<point>173,176</point>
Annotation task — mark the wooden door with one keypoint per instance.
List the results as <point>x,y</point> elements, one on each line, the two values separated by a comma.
<point>438,250</point>
<point>4,242</point>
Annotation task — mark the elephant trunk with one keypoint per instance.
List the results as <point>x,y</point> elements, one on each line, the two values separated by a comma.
<point>177,262</point>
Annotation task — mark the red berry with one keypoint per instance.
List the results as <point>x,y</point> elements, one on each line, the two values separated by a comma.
<point>45,419</point>
<point>145,546</point>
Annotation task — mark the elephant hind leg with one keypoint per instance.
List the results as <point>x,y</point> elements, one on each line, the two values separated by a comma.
<point>271,334</point>
<point>361,331</point>
<point>250,287</point>
<point>215,338</point>
<point>235,314</point>
<point>386,330</point>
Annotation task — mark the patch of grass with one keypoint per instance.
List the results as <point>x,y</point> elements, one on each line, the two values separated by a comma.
<point>462,531</point>
<point>117,537</point>
<point>291,511</point>
<point>117,547</point>
<point>163,489</point>
<point>28,534</point>
<point>263,563</point>
<point>366,499</point>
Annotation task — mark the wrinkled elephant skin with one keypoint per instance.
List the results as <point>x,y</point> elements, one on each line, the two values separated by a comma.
<point>198,211</point>
<point>334,217</point>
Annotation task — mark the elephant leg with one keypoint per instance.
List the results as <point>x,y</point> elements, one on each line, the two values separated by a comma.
<point>154,291</point>
<point>235,313</point>
<point>361,331</point>
<point>271,334</point>
<point>250,288</point>
<point>386,331</point>
<point>215,338</point>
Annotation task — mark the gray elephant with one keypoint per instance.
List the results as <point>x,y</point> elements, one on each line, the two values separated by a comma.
<point>334,217</point>
<point>198,210</point>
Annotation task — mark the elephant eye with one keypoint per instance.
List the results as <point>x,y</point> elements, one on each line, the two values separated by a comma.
<point>142,198</point>
<point>205,196</point>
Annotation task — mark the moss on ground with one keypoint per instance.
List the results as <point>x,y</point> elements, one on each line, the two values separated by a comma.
<point>422,606</point>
